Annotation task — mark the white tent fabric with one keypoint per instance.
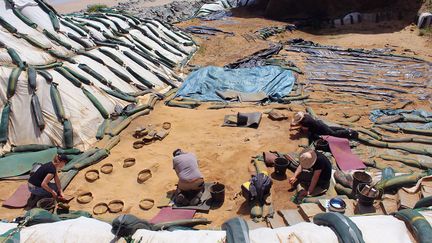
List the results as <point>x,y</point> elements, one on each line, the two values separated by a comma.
<point>79,109</point>
<point>4,227</point>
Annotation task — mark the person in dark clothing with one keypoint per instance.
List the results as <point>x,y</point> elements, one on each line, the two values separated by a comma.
<point>317,178</point>
<point>40,184</point>
<point>316,128</point>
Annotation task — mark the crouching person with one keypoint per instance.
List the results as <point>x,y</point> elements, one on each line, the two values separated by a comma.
<point>40,184</point>
<point>190,180</point>
<point>313,173</point>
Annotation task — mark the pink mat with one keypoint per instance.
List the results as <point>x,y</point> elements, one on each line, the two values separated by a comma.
<point>168,214</point>
<point>341,151</point>
<point>19,198</point>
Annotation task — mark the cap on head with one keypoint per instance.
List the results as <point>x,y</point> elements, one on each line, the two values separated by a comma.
<point>298,117</point>
<point>177,152</point>
<point>307,158</point>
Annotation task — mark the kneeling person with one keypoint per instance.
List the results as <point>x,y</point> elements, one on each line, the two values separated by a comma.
<point>40,184</point>
<point>317,179</point>
<point>191,183</point>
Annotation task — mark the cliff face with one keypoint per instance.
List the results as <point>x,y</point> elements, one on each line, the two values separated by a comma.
<point>325,9</point>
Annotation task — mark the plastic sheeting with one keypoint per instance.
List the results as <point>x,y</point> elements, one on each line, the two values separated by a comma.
<point>375,114</point>
<point>202,84</point>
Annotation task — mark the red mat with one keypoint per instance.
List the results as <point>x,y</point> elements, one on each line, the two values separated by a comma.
<point>168,214</point>
<point>341,151</point>
<point>19,198</point>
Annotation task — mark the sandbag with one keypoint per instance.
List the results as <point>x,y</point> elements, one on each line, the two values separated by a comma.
<point>31,76</point>
<point>46,75</point>
<point>68,76</point>
<point>80,157</point>
<point>400,181</point>
<point>126,225</point>
<point>424,202</point>
<point>23,18</point>
<point>346,230</point>
<point>13,80</point>
<point>37,112</point>
<point>7,26</point>
<point>74,151</point>
<point>102,129</point>
<point>91,56</point>
<point>420,226</point>
<point>57,102</point>
<point>93,159</point>
<point>56,39</point>
<point>120,127</point>
<point>121,96</point>
<point>31,148</point>
<point>39,216</point>
<point>136,109</point>
<point>78,76</point>
<point>142,80</point>
<point>73,27</point>
<point>237,230</point>
<point>112,143</point>
<point>67,134</point>
<point>94,74</point>
<point>112,56</point>
<point>4,123</point>
<point>96,103</point>
<point>121,75</point>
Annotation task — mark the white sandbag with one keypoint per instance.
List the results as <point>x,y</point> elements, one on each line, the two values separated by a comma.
<point>424,20</point>
<point>382,228</point>
<point>75,230</point>
<point>303,233</point>
<point>179,236</point>
<point>4,227</point>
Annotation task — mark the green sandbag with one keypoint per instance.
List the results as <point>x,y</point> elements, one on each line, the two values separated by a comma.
<point>37,112</point>
<point>91,56</point>
<point>94,74</point>
<point>7,26</point>
<point>66,178</point>
<point>114,57</point>
<point>78,76</point>
<point>16,59</point>
<point>54,20</point>
<point>400,181</point>
<point>121,96</point>
<point>413,150</point>
<point>74,27</point>
<point>102,129</point>
<point>424,202</point>
<point>406,160</point>
<point>142,43</point>
<point>67,134</point>
<point>10,236</point>
<point>79,40</point>
<point>345,229</point>
<point>93,159</point>
<point>370,141</point>
<point>73,151</point>
<point>140,113</point>
<point>53,37</point>
<point>136,109</point>
<point>34,42</point>
<point>39,216</point>
<point>46,75</point>
<point>59,55</point>
<point>78,158</point>
<point>23,18</point>
<point>120,127</point>
<point>31,148</point>
<point>96,103</point>
<point>13,80</point>
<point>420,226</point>
<point>136,60</point>
<point>341,190</point>
<point>388,128</point>
<point>147,55</point>
<point>112,143</point>
<point>32,75</point>
<point>140,78</point>
<point>121,75</point>
<point>387,173</point>
<point>368,132</point>
<point>69,76</point>
<point>165,60</point>
<point>50,66</point>
<point>417,131</point>
<point>21,163</point>
<point>4,125</point>
<point>57,102</point>
<point>74,215</point>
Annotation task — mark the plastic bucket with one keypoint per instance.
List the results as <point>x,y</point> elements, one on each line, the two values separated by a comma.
<point>281,165</point>
<point>360,177</point>
<point>217,192</point>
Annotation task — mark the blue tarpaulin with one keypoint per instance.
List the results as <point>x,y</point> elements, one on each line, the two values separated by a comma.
<point>202,84</point>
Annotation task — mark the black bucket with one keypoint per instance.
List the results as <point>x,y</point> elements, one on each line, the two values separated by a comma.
<point>322,145</point>
<point>360,177</point>
<point>217,192</point>
<point>281,165</point>
<point>364,199</point>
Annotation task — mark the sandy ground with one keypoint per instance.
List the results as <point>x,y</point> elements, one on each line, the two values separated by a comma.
<point>224,153</point>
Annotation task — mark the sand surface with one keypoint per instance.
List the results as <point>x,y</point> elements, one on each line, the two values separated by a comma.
<point>225,153</point>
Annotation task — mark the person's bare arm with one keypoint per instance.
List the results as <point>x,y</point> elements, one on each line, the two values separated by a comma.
<point>57,182</point>
<point>293,179</point>
<point>314,181</point>
<point>45,186</point>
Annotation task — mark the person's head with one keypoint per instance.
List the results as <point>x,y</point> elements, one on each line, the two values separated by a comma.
<point>177,152</point>
<point>307,158</point>
<point>60,161</point>
<point>298,117</point>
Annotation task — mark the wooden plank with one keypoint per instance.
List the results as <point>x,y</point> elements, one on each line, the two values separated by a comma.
<point>291,216</point>
<point>276,222</point>
<point>350,207</point>
<point>309,210</point>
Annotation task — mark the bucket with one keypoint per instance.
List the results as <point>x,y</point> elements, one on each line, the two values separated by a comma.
<point>217,192</point>
<point>281,165</point>
<point>364,199</point>
<point>360,177</point>
<point>322,145</point>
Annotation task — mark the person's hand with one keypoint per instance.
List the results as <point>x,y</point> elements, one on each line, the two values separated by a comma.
<point>61,195</point>
<point>54,195</point>
<point>292,180</point>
